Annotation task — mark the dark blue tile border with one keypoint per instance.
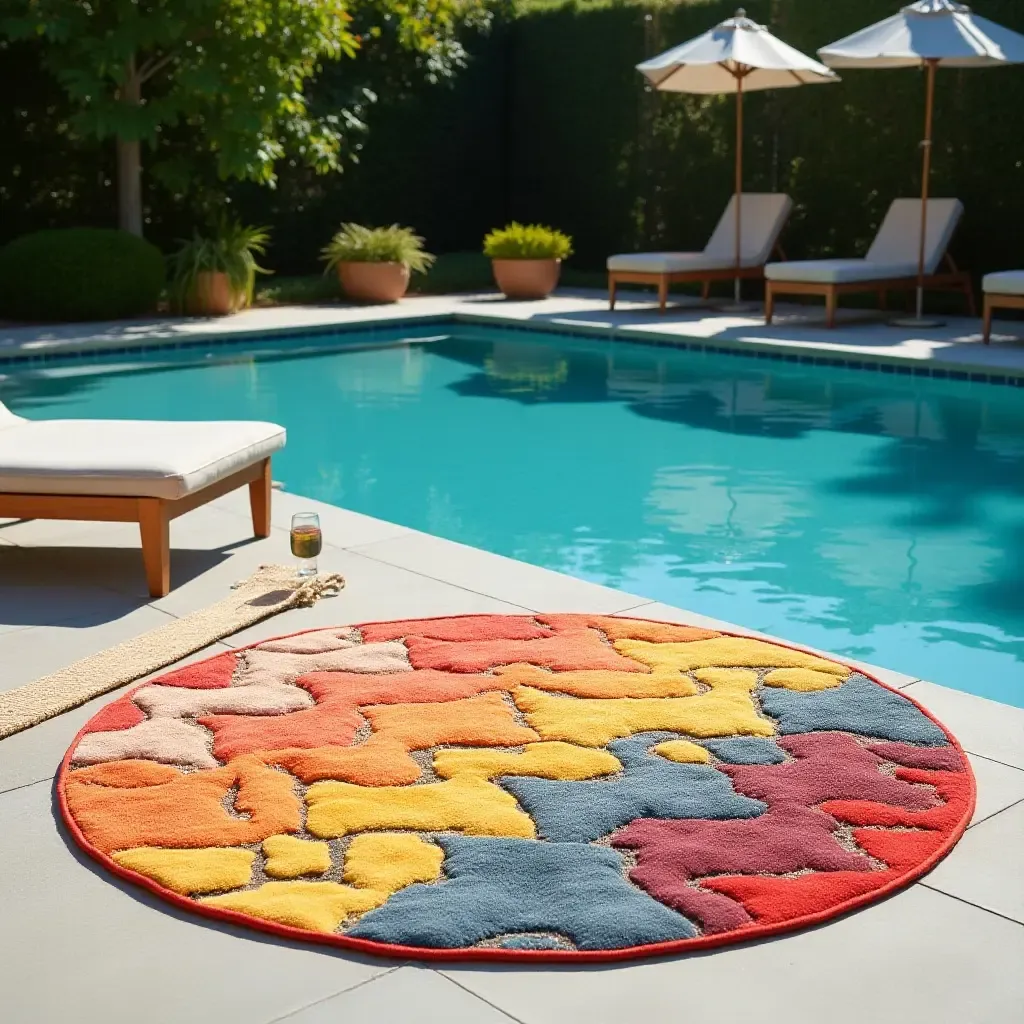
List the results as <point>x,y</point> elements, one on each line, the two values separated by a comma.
<point>380,327</point>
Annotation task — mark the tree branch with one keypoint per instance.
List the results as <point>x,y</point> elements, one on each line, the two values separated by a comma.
<point>155,64</point>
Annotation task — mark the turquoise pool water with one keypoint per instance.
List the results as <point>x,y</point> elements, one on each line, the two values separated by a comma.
<point>874,516</point>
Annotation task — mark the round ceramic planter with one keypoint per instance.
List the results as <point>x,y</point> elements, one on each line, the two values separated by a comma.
<point>211,295</point>
<point>373,282</point>
<point>526,279</point>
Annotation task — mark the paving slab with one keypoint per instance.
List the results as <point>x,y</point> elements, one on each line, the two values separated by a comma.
<point>999,787</point>
<point>984,727</point>
<point>39,650</point>
<point>81,947</point>
<point>406,994</point>
<point>917,956</point>
<point>496,576</point>
<point>342,528</point>
<point>986,867</point>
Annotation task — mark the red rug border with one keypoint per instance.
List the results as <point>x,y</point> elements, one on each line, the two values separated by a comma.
<point>494,955</point>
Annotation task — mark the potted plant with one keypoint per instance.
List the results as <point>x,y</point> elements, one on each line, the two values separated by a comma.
<point>374,264</point>
<point>213,274</point>
<point>527,259</point>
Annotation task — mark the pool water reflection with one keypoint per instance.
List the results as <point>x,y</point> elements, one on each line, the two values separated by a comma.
<point>875,516</point>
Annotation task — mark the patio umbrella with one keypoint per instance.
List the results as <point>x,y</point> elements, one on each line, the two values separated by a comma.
<point>929,34</point>
<point>736,56</point>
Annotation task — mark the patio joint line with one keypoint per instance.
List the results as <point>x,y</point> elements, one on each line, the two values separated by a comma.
<point>340,992</point>
<point>476,995</point>
<point>26,785</point>
<point>977,906</point>
<point>447,583</point>
<point>995,814</point>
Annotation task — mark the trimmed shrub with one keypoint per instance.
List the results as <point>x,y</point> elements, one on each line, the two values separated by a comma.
<point>79,274</point>
<point>527,242</point>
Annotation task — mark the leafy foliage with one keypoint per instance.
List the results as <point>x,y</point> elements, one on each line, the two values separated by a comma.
<point>79,274</point>
<point>224,84</point>
<point>230,248</point>
<point>355,243</point>
<point>527,242</point>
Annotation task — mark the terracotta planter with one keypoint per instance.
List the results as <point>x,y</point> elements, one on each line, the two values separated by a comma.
<point>211,295</point>
<point>374,282</point>
<point>526,279</point>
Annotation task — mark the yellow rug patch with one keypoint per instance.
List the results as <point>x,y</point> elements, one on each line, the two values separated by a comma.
<point>190,871</point>
<point>387,863</point>
<point>317,906</point>
<point>288,857</point>
<point>724,650</point>
<point>802,679</point>
<point>467,805</point>
<point>543,760</point>
<point>601,683</point>
<point>726,710</point>
<point>683,751</point>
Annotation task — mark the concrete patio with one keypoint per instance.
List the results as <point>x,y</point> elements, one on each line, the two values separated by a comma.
<point>863,338</point>
<point>77,944</point>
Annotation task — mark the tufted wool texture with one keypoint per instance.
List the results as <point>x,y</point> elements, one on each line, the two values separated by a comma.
<point>550,787</point>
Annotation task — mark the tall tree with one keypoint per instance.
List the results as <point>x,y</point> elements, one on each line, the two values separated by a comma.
<point>233,72</point>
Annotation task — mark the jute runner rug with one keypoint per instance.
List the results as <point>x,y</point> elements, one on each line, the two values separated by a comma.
<point>272,589</point>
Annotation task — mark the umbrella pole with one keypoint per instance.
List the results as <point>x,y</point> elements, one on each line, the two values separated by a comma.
<point>739,184</point>
<point>926,171</point>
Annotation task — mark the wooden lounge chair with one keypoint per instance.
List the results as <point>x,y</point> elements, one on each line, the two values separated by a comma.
<point>140,471</point>
<point>1004,290</point>
<point>763,215</point>
<point>890,263</point>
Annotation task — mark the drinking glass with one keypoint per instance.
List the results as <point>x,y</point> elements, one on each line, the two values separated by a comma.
<point>307,541</point>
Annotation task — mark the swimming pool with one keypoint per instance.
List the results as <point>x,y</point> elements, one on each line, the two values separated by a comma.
<point>874,516</point>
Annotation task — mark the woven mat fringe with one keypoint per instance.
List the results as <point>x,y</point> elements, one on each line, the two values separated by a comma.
<point>270,590</point>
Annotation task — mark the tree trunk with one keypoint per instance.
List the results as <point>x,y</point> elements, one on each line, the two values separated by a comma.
<point>129,162</point>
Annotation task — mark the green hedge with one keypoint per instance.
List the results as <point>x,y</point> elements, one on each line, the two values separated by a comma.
<point>619,167</point>
<point>552,123</point>
<point>79,274</point>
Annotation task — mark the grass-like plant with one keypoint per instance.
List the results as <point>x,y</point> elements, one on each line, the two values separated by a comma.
<point>231,248</point>
<point>355,243</point>
<point>527,242</point>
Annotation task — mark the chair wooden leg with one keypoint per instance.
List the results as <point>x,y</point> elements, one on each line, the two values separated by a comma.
<point>769,303</point>
<point>705,290</point>
<point>154,526</point>
<point>831,301</point>
<point>612,283</point>
<point>986,321</point>
<point>662,293</point>
<point>259,501</point>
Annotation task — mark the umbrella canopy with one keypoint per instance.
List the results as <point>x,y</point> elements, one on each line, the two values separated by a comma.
<point>929,34</point>
<point>737,50</point>
<point>940,30</point>
<point>736,56</point>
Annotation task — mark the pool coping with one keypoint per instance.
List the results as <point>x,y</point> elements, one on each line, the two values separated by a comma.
<point>25,348</point>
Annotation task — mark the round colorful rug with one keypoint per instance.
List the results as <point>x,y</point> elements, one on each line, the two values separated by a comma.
<point>498,787</point>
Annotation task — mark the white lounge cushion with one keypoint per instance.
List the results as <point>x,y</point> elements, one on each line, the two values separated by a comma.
<point>838,271</point>
<point>7,418</point>
<point>665,262</point>
<point>893,253</point>
<point>899,238</point>
<point>137,458</point>
<point>762,218</point>
<point>1005,282</point>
